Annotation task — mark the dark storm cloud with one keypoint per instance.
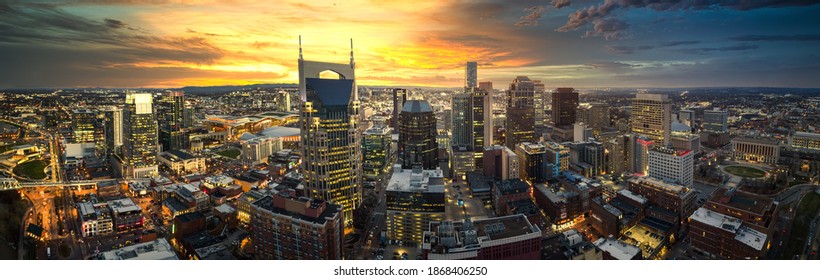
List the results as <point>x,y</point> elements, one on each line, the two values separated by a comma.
<point>754,38</point>
<point>608,28</point>
<point>113,23</point>
<point>110,42</point>
<point>584,16</point>
<point>718,49</point>
<point>560,3</point>
<point>530,19</point>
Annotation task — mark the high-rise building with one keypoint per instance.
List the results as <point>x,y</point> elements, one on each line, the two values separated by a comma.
<point>140,146</point>
<point>595,115</point>
<point>715,121</point>
<point>461,114</point>
<point>652,117</point>
<point>520,112</point>
<point>414,198</point>
<point>471,75</point>
<point>417,135</point>
<point>558,156</point>
<point>672,165</point>
<point>329,121</point>
<point>539,104</point>
<point>686,117</point>
<point>564,106</point>
<point>83,122</point>
<point>500,163</point>
<point>286,227</point>
<point>588,158</point>
<point>533,167</point>
<point>486,87</point>
<point>171,120</point>
<point>399,97</point>
<point>581,132</point>
<point>617,155</point>
<point>112,129</point>
<point>638,152</point>
<point>377,152</point>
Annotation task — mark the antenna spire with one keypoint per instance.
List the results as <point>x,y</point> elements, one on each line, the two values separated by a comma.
<point>352,64</point>
<point>300,47</point>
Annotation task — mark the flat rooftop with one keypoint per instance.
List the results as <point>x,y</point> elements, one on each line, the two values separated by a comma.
<point>416,180</point>
<point>158,249</point>
<point>617,249</point>
<point>742,200</point>
<point>124,205</point>
<point>670,187</point>
<point>744,234</point>
<point>633,196</point>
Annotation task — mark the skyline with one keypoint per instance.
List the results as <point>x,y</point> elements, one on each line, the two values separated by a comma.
<point>562,43</point>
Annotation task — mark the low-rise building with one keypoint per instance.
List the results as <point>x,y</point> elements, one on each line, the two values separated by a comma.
<point>180,163</point>
<point>506,191</point>
<point>95,219</point>
<point>127,214</point>
<point>500,238</point>
<point>726,237</point>
<point>615,249</point>
<point>756,150</point>
<point>158,249</point>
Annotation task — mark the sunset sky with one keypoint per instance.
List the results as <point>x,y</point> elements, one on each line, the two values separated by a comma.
<point>578,43</point>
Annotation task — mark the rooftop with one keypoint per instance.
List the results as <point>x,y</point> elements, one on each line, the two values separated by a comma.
<point>180,154</point>
<point>617,248</point>
<point>124,205</point>
<point>158,249</point>
<point>633,196</point>
<point>470,235</point>
<point>330,211</point>
<point>280,131</point>
<point>416,106</point>
<point>742,200</point>
<point>512,186</point>
<point>803,134</point>
<point>756,140</point>
<point>744,234</point>
<point>416,180</point>
<point>670,187</point>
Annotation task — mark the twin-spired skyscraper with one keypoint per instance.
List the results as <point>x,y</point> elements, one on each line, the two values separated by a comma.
<point>330,139</point>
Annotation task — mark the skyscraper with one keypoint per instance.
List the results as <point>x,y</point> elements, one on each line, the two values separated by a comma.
<point>539,103</point>
<point>83,122</point>
<point>399,97</point>
<point>377,151</point>
<point>652,116</point>
<point>486,86</point>
<point>417,135</point>
<point>171,120</point>
<point>564,106</point>
<point>471,75</point>
<point>112,129</point>
<point>596,115</point>
<point>140,136</point>
<point>329,121</point>
<point>520,112</point>
<point>715,121</point>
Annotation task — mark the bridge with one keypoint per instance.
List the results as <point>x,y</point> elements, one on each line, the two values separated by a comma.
<point>10,184</point>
